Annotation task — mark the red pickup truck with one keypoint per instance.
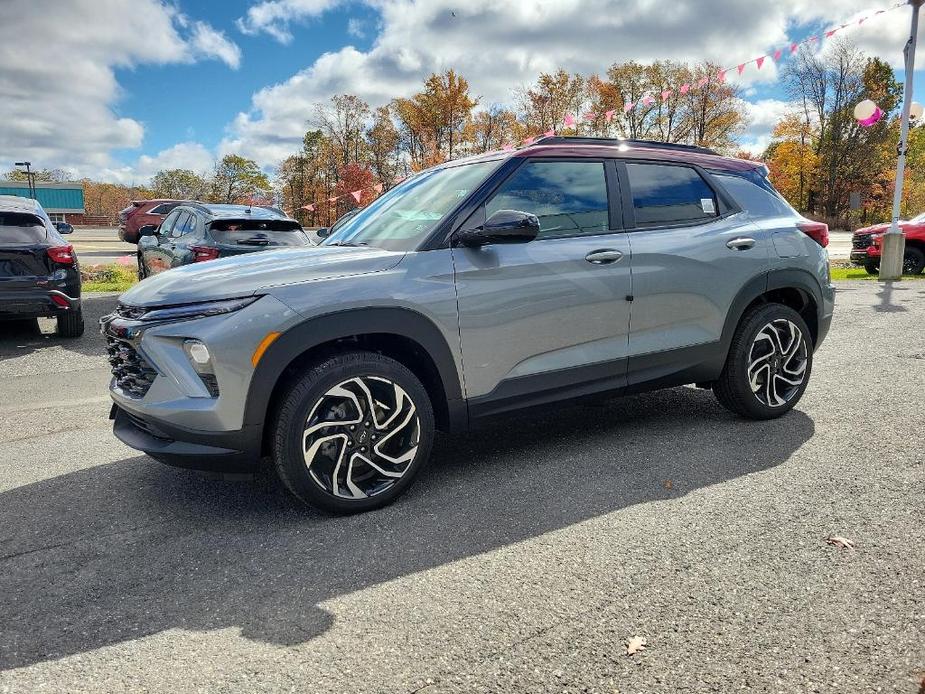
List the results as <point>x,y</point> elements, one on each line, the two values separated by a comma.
<point>866,243</point>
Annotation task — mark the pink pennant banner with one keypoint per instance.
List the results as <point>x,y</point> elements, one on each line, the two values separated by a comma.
<point>529,141</point>
<point>685,88</point>
<point>759,61</point>
<point>628,106</point>
<point>741,68</point>
<point>794,47</point>
<point>608,115</point>
<point>703,81</point>
<point>507,148</point>
<point>378,187</point>
<point>549,133</point>
<point>357,195</point>
<point>777,54</point>
<point>667,94</point>
<point>721,76</point>
<point>647,100</point>
<point>590,116</point>
<point>309,208</point>
<point>830,34</point>
<point>569,120</point>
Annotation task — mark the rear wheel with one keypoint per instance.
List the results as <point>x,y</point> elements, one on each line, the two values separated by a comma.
<point>352,432</point>
<point>872,267</point>
<point>71,323</point>
<point>141,269</point>
<point>769,363</point>
<point>913,261</point>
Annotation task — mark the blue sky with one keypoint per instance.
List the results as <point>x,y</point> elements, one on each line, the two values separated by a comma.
<point>131,86</point>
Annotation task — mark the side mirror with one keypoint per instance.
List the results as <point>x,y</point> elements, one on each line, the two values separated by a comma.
<point>64,228</point>
<point>147,230</point>
<point>504,226</point>
<point>323,232</point>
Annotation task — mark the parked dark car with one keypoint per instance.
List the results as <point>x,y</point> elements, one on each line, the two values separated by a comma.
<point>141,213</point>
<point>196,232</point>
<point>39,274</point>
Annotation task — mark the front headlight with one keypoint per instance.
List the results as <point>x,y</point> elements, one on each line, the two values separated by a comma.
<point>199,310</point>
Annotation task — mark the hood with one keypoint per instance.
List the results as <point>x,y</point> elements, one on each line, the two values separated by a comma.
<point>875,228</point>
<point>247,274</point>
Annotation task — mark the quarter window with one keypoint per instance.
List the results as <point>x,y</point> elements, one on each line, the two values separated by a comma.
<point>163,208</point>
<point>569,197</point>
<point>669,195</point>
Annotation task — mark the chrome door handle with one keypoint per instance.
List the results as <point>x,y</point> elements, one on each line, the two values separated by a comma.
<point>602,257</point>
<point>741,243</point>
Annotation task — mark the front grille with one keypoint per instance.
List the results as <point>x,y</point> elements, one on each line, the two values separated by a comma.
<point>862,241</point>
<point>133,374</point>
<point>130,312</point>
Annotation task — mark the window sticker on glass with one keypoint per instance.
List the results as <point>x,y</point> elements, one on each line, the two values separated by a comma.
<point>709,207</point>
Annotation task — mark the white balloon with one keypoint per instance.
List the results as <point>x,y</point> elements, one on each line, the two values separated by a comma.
<point>865,109</point>
<point>915,110</point>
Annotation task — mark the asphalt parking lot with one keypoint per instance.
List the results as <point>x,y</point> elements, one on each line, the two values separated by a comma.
<point>522,561</point>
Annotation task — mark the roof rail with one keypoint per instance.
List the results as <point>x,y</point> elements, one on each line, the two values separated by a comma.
<point>653,144</point>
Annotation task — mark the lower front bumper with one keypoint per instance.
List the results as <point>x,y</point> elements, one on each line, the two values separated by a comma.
<point>231,452</point>
<point>861,257</point>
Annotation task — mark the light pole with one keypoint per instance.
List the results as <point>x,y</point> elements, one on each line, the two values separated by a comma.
<point>28,164</point>
<point>893,249</point>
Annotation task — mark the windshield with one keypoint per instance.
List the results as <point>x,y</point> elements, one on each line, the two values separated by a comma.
<point>403,217</point>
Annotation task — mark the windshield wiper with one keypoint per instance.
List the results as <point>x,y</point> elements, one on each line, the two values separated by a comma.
<point>347,243</point>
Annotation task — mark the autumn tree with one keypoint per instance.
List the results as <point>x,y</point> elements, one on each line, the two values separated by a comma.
<point>343,121</point>
<point>792,160</point>
<point>179,184</point>
<point>237,180</point>
<point>383,147</point>
<point>38,175</point>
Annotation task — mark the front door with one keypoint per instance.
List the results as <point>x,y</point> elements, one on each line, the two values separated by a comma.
<point>548,318</point>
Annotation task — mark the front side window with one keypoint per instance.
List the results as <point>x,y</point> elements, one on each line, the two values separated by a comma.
<point>181,225</point>
<point>666,194</point>
<point>402,218</point>
<point>167,224</point>
<point>568,197</point>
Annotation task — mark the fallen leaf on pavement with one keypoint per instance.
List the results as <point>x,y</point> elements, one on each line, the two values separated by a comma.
<point>635,644</point>
<point>842,542</point>
<point>668,484</point>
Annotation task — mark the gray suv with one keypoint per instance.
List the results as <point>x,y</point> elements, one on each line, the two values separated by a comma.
<point>573,267</point>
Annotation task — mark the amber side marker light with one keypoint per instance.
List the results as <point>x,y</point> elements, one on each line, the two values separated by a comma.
<point>262,347</point>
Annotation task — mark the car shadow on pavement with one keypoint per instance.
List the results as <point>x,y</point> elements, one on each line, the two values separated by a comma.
<point>123,550</point>
<point>18,338</point>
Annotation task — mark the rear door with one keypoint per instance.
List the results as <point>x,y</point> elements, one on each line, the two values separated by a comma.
<point>24,242</point>
<point>693,251</point>
<point>548,318</point>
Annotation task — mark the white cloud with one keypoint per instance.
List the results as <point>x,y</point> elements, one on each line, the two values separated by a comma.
<point>499,46</point>
<point>356,27</point>
<point>58,90</point>
<point>184,155</point>
<point>274,16</point>
<point>762,116</point>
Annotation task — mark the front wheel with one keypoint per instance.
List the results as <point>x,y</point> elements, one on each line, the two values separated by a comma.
<point>141,269</point>
<point>768,365</point>
<point>352,432</point>
<point>872,267</point>
<point>913,261</point>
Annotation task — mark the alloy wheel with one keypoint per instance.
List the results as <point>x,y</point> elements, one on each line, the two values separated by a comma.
<point>777,362</point>
<point>361,437</point>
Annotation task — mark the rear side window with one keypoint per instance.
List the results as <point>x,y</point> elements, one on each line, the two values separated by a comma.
<point>757,200</point>
<point>569,197</point>
<point>163,208</point>
<point>664,194</point>
<point>21,228</point>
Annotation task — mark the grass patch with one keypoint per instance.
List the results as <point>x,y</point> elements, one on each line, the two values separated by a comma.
<point>108,278</point>
<point>842,271</point>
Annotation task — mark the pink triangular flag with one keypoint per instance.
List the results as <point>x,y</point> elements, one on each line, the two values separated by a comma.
<point>759,61</point>
<point>777,54</point>
<point>529,141</point>
<point>608,115</point>
<point>647,100</point>
<point>628,106</point>
<point>794,47</point>
<point>334,199</point>
<point>685,88</point>
<point>741,68</point>
<point>569,120</point>
<point>590,116</point>
<point>830,34</point>
<point>378,187</point>
<point>666,94</point>
<point>811,39</point>
<point>703,81</point>
<point>357,195</point>
<point>549,133</point>
<point>721,76</point>
<point>310,208</point>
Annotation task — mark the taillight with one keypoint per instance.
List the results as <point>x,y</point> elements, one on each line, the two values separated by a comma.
<point>817,231</point>
<point>203,253</point>
<point>62,254</point>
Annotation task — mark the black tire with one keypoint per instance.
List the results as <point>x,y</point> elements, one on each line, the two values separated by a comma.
<point>309,392</point>
<point>141,269</point>
<point>71,323</point>
<point>733,389</point>
<point>913,261</point>
<point>872,267</point>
